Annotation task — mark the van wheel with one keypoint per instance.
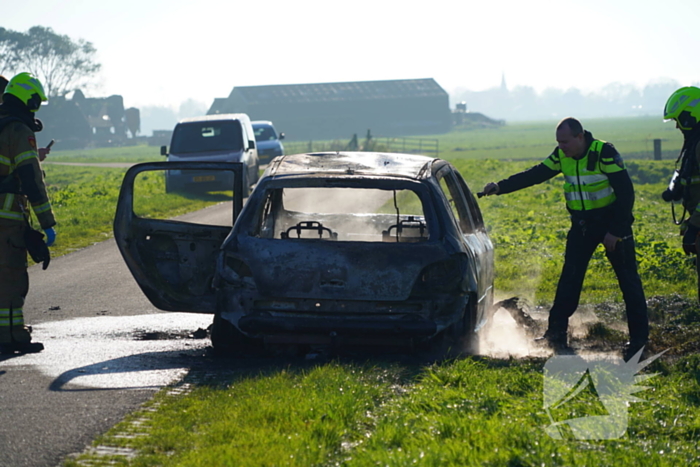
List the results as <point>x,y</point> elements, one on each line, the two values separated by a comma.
<point>171,186</point>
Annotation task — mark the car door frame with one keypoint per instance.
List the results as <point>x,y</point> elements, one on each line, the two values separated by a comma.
<point>475,235</point>
<point>195,245</point>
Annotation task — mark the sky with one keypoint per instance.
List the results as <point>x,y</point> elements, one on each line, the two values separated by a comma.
<point>162,53</point>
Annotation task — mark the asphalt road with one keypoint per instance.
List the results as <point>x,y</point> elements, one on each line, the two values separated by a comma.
<point>107,350</point>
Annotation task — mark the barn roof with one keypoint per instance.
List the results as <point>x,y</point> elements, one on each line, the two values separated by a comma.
<point>348,91</point>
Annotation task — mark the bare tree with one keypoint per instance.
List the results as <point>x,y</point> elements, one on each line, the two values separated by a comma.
<point>10,41</point>
<point>61,64</point>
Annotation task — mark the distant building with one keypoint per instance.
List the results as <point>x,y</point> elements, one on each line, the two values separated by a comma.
<point>82,121</point>
<point>339,110</point>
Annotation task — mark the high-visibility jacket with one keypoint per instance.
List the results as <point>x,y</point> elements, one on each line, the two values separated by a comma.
<point>586,184</point>
<point>21,177</point>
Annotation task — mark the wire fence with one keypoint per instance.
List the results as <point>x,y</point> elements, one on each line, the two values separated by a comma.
<point>424,146</point>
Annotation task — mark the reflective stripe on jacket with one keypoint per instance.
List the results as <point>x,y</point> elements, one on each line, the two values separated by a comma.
<point>586,189</point>
<point>19,160</point>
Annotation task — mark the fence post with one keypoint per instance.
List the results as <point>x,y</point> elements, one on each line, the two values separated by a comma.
<point>657,149</point>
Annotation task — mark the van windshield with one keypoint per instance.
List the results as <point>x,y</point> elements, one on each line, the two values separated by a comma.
<point>207,136</point>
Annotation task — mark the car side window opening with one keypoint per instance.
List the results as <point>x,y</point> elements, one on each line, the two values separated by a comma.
<point>472,205</point>
<point>343,214</point>
<point>455,196</point>
<point>207,136</point>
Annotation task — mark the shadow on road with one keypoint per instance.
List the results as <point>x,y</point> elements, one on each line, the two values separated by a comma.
<point>130,369</point>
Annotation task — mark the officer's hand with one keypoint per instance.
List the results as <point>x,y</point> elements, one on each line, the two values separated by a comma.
<point>690,238</point>
<point>50,236</point>
<point>610,242</point>
<point>491,189</point>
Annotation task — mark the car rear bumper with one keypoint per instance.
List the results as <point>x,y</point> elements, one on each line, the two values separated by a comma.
<point>332,327</point>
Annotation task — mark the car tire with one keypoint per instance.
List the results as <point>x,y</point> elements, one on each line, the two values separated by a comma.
<point>169,186</point>
<point>226,339</point>
<point>469,340</point>
<point>460,337</point>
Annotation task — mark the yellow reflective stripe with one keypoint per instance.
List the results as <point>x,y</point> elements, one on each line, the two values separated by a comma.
<point>585,179</point>
<point>42,208</point>
<point>5,161</point>
<point>693,181</point>
<point>9,200</point>
<point>553,162</point>
<point>11,215</point>
<point>588,196</point>
<point>24,157</point>
<point>17,317</point>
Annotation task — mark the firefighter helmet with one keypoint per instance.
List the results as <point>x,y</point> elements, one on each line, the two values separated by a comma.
<point>684,107</point>
<point>27,89</point>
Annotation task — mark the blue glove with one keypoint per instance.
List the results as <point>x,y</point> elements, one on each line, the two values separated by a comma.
<point>50,236</point>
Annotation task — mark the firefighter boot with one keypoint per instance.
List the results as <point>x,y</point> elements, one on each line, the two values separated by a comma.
<point>20,339</point>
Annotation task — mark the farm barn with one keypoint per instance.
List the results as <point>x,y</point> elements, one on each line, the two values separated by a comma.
<point>339,110</point>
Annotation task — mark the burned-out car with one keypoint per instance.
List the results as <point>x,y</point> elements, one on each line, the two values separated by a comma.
<point>330,248</point>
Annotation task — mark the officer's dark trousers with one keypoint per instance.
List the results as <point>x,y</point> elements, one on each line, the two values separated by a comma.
<point>582,240</point>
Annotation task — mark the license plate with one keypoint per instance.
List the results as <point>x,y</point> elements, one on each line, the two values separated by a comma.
<point>204,178</point>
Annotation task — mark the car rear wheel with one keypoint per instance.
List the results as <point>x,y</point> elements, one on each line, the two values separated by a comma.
<point>227,339</point>
<point>460,337</point>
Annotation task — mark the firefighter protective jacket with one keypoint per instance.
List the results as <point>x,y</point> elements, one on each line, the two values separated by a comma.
<point>21,177</point>
<point>597,186</point>
<point>690,174</point>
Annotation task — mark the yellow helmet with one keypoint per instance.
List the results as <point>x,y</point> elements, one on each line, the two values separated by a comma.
<point>27,89</point>
<point>684,107</point>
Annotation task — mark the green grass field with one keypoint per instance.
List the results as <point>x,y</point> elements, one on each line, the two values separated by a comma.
<point>469,411</point>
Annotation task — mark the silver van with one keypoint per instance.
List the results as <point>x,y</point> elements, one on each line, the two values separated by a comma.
<point>212,138</point>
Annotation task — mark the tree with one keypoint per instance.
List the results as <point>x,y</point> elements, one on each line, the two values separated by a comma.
<point>61,64</point>
<point>9,43</point>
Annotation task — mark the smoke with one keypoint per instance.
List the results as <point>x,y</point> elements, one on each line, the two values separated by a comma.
<point>506,338</point>
<point>516,325</point>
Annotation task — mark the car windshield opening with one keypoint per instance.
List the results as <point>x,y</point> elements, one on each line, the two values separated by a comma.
<point>207,137</point>
<point>264,133</point>
<point>343,214</point>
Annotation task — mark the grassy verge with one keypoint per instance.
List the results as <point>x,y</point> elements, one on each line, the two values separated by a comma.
<point>128,154</point>
<point>467,412</point>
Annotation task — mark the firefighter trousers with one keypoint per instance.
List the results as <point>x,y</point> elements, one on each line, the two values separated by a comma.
<point>581,242</point>
<point>14,283</point>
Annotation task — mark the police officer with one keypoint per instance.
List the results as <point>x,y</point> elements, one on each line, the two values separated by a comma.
<point>684,107</point>
<point>21,185</point>
<point>599,197</point>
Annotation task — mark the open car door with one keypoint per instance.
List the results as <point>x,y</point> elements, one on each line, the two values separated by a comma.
<point>174,260</point>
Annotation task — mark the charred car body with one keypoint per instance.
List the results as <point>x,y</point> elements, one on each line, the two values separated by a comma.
<point>365,248</point>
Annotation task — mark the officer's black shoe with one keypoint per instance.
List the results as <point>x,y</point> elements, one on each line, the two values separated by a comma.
<point>21,347</point>
<point>556,341</point>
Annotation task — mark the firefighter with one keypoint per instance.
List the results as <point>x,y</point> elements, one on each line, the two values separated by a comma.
<point>21,184</point>
<point>684,107</point>
<point>599,197</point>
